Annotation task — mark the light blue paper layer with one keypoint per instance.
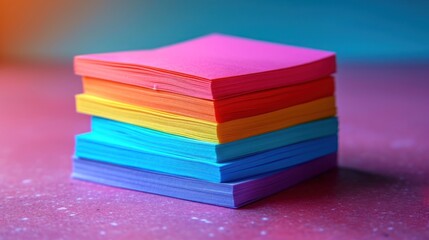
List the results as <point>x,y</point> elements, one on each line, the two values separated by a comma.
<point>149,140</point>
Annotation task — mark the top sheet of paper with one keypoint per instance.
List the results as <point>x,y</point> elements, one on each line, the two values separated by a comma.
<point>211,67</point>
<point>217,56</point>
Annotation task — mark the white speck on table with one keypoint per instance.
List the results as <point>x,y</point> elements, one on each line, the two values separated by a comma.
<point>205,221</point>
<point>26,181</point>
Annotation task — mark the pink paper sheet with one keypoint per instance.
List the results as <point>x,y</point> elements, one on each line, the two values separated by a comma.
<point>213,66</point>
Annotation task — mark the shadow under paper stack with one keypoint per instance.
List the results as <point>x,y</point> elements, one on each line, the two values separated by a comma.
<point>219,119</point>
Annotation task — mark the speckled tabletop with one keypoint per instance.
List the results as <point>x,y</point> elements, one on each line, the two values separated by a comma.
<point>381,189</point>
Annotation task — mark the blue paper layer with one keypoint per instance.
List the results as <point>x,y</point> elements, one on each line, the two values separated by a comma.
<point>160,143</point>
<point>100,148</point>
<point>231,195</point>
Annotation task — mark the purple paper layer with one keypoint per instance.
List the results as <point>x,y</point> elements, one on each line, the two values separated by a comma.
<point>233,195</point>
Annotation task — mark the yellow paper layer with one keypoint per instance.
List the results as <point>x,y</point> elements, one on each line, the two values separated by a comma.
<point>205,130</point>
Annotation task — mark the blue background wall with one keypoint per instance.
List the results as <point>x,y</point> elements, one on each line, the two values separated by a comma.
<point>357,30</point>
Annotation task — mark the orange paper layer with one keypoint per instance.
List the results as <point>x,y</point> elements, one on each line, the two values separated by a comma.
<point>222,110</point>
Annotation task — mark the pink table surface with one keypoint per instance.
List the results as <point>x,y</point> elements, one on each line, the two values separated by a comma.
<point>380,191</point>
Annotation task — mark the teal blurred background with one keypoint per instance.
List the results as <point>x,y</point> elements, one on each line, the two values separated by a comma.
<point>376,31</point>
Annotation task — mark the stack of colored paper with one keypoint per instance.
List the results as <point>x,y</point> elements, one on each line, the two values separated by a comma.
<point>219,119</point>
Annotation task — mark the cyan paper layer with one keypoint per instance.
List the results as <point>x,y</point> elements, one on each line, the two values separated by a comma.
<point>169,145</point>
